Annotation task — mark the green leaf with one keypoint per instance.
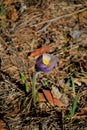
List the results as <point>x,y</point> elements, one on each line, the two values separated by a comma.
<point>74,106</point>
<point>26,88</point>
<point>44,83</point>
<point>73,84</point>
<point>66,84</point>
<point>2,8</point>
<point>22,77</point>
<point>25,101</point>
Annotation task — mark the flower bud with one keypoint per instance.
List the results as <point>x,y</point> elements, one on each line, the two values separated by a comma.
<point>46,62</point>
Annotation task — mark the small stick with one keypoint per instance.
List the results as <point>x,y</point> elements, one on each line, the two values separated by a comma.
<point>60,17</point>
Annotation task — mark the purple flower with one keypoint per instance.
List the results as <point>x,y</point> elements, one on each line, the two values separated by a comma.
<point>46,62</point>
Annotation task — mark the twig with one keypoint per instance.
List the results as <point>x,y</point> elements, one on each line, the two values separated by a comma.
<point>44,28</point>
<point>71,6</point>
<point>60,17</point>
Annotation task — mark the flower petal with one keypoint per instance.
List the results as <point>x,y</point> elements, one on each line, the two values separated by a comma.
<point>42,67</point>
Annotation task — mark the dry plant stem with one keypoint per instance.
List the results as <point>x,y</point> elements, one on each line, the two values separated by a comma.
<point>72,6</point>
<point>24,23</point>
<point>60,17</point>
<point>44,28</point>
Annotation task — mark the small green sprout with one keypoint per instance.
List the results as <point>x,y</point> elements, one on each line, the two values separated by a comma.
<point>26,87</point>
<point>72,84</point>
<point>67,84</point>
<point>22,76</point>
<point>69,81</point>
<point>44,83</point>
<point>2,8</point>
<point>72,112</point>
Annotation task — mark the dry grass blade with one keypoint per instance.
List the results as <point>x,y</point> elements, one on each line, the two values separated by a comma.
<point>60,17</point>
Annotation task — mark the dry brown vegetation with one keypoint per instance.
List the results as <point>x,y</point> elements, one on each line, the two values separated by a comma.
<point>26,26</point>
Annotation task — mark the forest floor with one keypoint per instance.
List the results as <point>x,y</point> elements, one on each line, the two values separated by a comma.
<point>29,29</point>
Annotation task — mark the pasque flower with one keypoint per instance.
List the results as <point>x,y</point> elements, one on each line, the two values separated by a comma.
<point>46,62</point>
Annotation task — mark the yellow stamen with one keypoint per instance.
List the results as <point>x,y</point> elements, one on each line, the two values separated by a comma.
<point>45,61</point>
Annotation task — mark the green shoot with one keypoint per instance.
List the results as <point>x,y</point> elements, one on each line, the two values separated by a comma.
<point>25,101</point>
<point>70,81</point>
<point>67,84</point>
<point>69,127</point>
<point>26,87</point>
<point>75,56</point>
<point>72,112</point>
<point>22,77</point>
<point>44,83</point>
<point>2,8</point>
<point>72,84</point>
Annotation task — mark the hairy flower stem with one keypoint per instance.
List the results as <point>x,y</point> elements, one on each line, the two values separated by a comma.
<point>34,95</point>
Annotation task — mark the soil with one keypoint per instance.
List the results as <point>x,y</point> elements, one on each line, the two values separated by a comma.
<point>26,26</point>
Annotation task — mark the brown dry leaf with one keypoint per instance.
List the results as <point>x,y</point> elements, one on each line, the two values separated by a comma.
<point>77,80</point>
<point>8,2</point>
<point>41,97</point>
<point>81,113</point>
<point>48,96</point>
<point>84,109</point>
<point>53,101</point>
<point>40,51</point>
<point>14,15</point>
<point>42,102</point>
<point>61,61</point>
<point>73,52</point>
<point>84,14</point>
<point>57,102</point>
<point>55,92</point>
<point>19,1</point>
<point>2,125</point>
